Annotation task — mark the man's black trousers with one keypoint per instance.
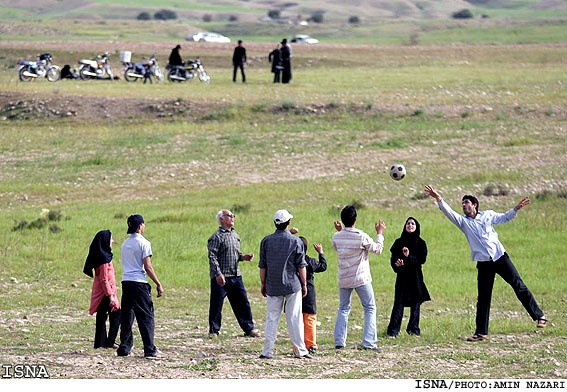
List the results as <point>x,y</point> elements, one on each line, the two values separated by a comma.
<point>137,302</point>
<point>487,271</point>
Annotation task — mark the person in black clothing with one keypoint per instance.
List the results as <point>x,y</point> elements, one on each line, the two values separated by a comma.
<point>238,60</point>
<point>309,302</point>
<point>408,254</point>
<point>175,57</point>
<point>67,73</point>
<point>286,62</point>
<point>275,57</point>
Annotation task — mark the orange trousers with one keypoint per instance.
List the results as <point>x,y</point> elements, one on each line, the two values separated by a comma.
<point>310,330</point>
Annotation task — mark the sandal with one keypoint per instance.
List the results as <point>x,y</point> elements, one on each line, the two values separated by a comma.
<point>542,322</point>
<point>477,337</point>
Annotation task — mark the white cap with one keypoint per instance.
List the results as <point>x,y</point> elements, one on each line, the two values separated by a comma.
<point>282,216</point>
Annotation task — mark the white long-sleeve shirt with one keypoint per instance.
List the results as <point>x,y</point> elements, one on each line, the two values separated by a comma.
<point>352,246</point>
<point>480,233</point>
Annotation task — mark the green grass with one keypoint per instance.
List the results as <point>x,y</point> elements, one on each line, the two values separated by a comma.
<point>326,140</point>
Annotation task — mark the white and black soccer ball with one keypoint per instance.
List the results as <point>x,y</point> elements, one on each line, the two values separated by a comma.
<point>398,172</point>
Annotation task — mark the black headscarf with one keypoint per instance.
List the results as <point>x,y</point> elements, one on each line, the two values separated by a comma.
<point>100,252</point>
<point>408,237</point>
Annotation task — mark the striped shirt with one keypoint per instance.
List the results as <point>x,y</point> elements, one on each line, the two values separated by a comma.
<point>352,246</point>
<point>224,253</point>
<point>480,233</point>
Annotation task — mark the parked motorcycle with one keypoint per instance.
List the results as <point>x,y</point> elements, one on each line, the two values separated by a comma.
<point>191,70</point>
<point>30,70</point>
<point>98,68</point>
<point>144,70</point>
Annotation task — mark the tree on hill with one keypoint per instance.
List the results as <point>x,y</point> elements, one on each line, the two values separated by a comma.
<point>274,14</point>
<point>165,15</point>
<point>143,16</point>
<point>463,14</point>
<point>317,17</point>
<point>354,20</point>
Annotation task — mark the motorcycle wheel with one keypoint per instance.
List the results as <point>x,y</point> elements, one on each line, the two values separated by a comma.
<point>204,78</point>
<point>82,73</point>
<point>53,74</point>
<point>173,72</point>
<point>127,77</point>
<point>23,77</point>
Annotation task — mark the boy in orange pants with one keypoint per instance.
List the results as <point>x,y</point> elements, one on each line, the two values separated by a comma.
<point>309,301</point>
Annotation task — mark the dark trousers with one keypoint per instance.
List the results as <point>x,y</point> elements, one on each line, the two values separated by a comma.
<point>236,293</point>
<point>396,319</point>
<point>102,313</point>
<point>137,302</point>
<point>236,66</point>
<point>277,74</point>
<point>487,270</point>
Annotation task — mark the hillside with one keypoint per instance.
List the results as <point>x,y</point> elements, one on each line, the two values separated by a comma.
<point>254,10</point>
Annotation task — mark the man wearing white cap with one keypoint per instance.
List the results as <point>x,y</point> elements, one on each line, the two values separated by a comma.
<point>283,276</point>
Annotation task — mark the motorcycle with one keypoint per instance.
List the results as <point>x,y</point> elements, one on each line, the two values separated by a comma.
<point>143,70</point>
<point>191,70</point>
<point>30,70</point>
<point>98,68</point>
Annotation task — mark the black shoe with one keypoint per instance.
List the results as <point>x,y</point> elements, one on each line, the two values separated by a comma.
<point>374,348</point>
<point>312,350</point>
<point>262,356</point>
<point>339,347</point>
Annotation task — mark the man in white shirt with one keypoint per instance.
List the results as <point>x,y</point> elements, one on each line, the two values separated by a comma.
<point>490,256</point>
<point>136,301</point>
<point>352,246</point>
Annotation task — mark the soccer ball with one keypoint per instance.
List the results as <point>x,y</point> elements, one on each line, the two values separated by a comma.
<point>398,172</point>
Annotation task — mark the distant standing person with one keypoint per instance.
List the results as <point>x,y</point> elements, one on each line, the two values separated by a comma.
<point>309,303</point>
<point>283,278</point>
<point>286,61</point>
<point>175,56</point>
<point>136,292</point>
<point>238,60</point>
<point>352,246</point>
<point>104,301</point>
<point>275,57</point>
<point>226,279</point>
<point>409,253</point>
<point>490,256</point>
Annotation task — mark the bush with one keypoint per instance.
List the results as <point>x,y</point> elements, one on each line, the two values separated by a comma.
<point>233,18</point>
<point>207,18</point>
<point>463,14</point>
<point>165,15</point>
<point>143,16</point>
<point>317,18</point>
<point>274,14</point>
<point>354,20</point>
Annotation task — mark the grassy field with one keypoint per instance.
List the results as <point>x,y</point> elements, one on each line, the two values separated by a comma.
<point>483,119</point>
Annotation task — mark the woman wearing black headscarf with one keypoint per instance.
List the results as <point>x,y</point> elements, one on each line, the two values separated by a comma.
<point>408,254</point>
<point>104,301</point>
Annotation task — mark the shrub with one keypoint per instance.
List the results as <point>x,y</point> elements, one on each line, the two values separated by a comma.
<point>233,18</point>
<point>317,17</point>
<point>274,14</point>
<point>354,20</point>
<point>207,18</point>
<point>165,15</point>
<point>463,14</point>
<point>143,16</point>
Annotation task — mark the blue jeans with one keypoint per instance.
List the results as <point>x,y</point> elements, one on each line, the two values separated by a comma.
<point>366,295</point>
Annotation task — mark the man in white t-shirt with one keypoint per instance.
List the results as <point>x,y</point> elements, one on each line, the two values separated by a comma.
<point>136,292</point>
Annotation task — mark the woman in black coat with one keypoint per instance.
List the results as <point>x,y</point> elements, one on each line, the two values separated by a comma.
<point>409,252</point>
